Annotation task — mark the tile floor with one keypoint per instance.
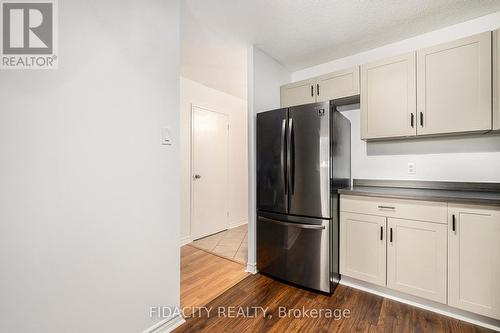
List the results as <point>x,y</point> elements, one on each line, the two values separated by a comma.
<point>231,243</point>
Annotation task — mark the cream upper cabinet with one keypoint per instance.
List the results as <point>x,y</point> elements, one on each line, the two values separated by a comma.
<point>454,86</point>
<point>388,98</point>
<point>298,93</point>
<point>496,80</point>
<point>338,84</point>
<point>363,247</point>
<point>330,86</point>
<point>417,258</point>
<point>474,259</point>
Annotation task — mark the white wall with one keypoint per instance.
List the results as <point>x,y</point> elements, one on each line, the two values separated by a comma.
<point>89,203</point>
<point>458,158</point>
<point>265,76</point>
<point>269,75</point>
<point>200,95</point>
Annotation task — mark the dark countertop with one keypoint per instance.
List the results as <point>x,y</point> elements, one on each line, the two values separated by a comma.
<point>473,193</point>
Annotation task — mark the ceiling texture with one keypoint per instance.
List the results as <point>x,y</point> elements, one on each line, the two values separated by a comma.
<point>304,33</point>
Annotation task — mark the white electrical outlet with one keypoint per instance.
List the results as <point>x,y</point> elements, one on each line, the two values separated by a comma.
<point>412,168</point>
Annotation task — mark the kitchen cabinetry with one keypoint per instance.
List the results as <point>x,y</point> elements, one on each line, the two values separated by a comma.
<point>429,211</point>
<point>444,252</point>
<point>454,86</point>
<point>474,259</point>
<point>298,93</point>
<point>442,89</point>
<point>338,84</point>
<point>363,247</point>
<point>388,98</point>
<point>496,80</point>
<point>334,85</point>
<point>417,259</point>
<point>416,250</point>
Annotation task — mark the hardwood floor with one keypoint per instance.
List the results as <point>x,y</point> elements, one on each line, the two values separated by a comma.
<point>205,276</point>
<point>368,312</point>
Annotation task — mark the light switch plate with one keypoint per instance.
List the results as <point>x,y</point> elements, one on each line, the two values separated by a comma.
<point>166,137</point>
<point>412,168</point>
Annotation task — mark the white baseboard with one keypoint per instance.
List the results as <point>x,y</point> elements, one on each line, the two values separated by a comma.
<point>166,326</point>
<point>418,302</point>
<point>238,224</point>
<point>186,240</point>
<point>251,268</point>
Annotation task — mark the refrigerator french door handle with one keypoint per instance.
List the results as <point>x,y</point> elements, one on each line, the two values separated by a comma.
<point>284,155</point>
<point>291,154</point>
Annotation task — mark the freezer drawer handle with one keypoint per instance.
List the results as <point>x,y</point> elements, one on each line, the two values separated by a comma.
<point>294,225</point>
<point>386,207</point>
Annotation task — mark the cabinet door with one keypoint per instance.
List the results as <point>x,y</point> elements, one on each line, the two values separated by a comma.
<point>362,247</point>
<point>454,86</point>
<point>338,84</point>
<point>417,259</point>
<point>298,93</point>
<point>496,82</point>
<point>474,259</point>
<point>388,98</point>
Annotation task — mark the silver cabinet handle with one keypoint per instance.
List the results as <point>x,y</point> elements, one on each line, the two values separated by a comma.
<point>386,207</point>
<point>293,225</point>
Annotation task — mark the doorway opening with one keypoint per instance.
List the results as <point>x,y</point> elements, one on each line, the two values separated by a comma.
<point>214,159</point>
<point>211,228</point>
<point>214,257</point>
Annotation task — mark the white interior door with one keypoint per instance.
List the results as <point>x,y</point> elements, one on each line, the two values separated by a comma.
<point>209,194</point>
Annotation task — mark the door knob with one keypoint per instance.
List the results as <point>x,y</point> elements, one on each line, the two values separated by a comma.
<point>197,177</point>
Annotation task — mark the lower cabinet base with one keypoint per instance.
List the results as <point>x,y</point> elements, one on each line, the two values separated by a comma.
<point>418,302</point>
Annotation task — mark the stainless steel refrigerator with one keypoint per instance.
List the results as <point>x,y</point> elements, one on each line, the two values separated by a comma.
<point>303,157</point>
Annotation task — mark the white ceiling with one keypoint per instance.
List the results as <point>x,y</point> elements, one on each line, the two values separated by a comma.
<point>303,33</point>
<point>211,56</point>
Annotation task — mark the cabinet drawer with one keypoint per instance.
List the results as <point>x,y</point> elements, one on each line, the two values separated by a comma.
<point>397,208</point>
